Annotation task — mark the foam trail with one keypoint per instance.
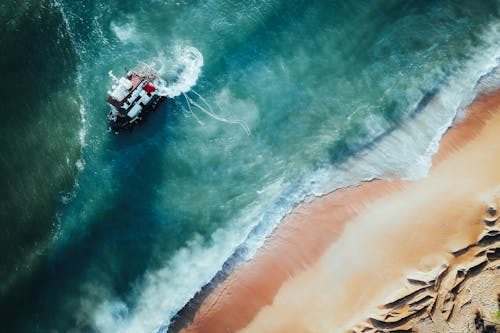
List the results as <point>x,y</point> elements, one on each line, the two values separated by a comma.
<point>396,155</point>
<point>189,65</point>
<point>191,110</point>
<point>215,116</point>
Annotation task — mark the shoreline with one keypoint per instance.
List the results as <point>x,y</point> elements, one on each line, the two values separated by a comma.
<point>295,246</point>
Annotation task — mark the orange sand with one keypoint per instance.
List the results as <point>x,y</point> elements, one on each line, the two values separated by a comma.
<point>316,273</point>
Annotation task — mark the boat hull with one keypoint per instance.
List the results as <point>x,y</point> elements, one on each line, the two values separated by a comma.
<point>125,123</point>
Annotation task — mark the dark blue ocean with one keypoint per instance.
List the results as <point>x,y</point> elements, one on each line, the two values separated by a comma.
<point>116,233</point>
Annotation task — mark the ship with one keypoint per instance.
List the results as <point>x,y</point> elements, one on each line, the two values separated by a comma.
<point>132,97</point>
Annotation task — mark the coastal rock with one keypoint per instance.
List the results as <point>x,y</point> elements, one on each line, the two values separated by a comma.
<point>443,297</point>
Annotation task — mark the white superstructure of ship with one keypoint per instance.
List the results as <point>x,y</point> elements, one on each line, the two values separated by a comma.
<point>132,97</point>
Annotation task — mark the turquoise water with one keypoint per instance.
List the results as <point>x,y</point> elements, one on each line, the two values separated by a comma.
<point>107,233</point>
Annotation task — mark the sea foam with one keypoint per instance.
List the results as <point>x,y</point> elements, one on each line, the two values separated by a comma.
<point>405,152</point>
<point>183,73</point>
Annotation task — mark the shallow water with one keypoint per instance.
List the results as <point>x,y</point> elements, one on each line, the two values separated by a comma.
<point>112,232</point>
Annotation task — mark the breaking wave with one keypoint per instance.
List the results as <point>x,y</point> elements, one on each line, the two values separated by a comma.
<point>404,152</point>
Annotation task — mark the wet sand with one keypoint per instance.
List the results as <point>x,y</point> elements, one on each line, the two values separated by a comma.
<point>331,263</point>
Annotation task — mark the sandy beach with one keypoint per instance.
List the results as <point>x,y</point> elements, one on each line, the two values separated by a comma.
<point>381,255</point>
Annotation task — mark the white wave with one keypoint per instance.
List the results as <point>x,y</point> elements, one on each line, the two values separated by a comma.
<point>191,267</point>
<point>183,73</point>
<point>405,153</point>
<point>167,290</point>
